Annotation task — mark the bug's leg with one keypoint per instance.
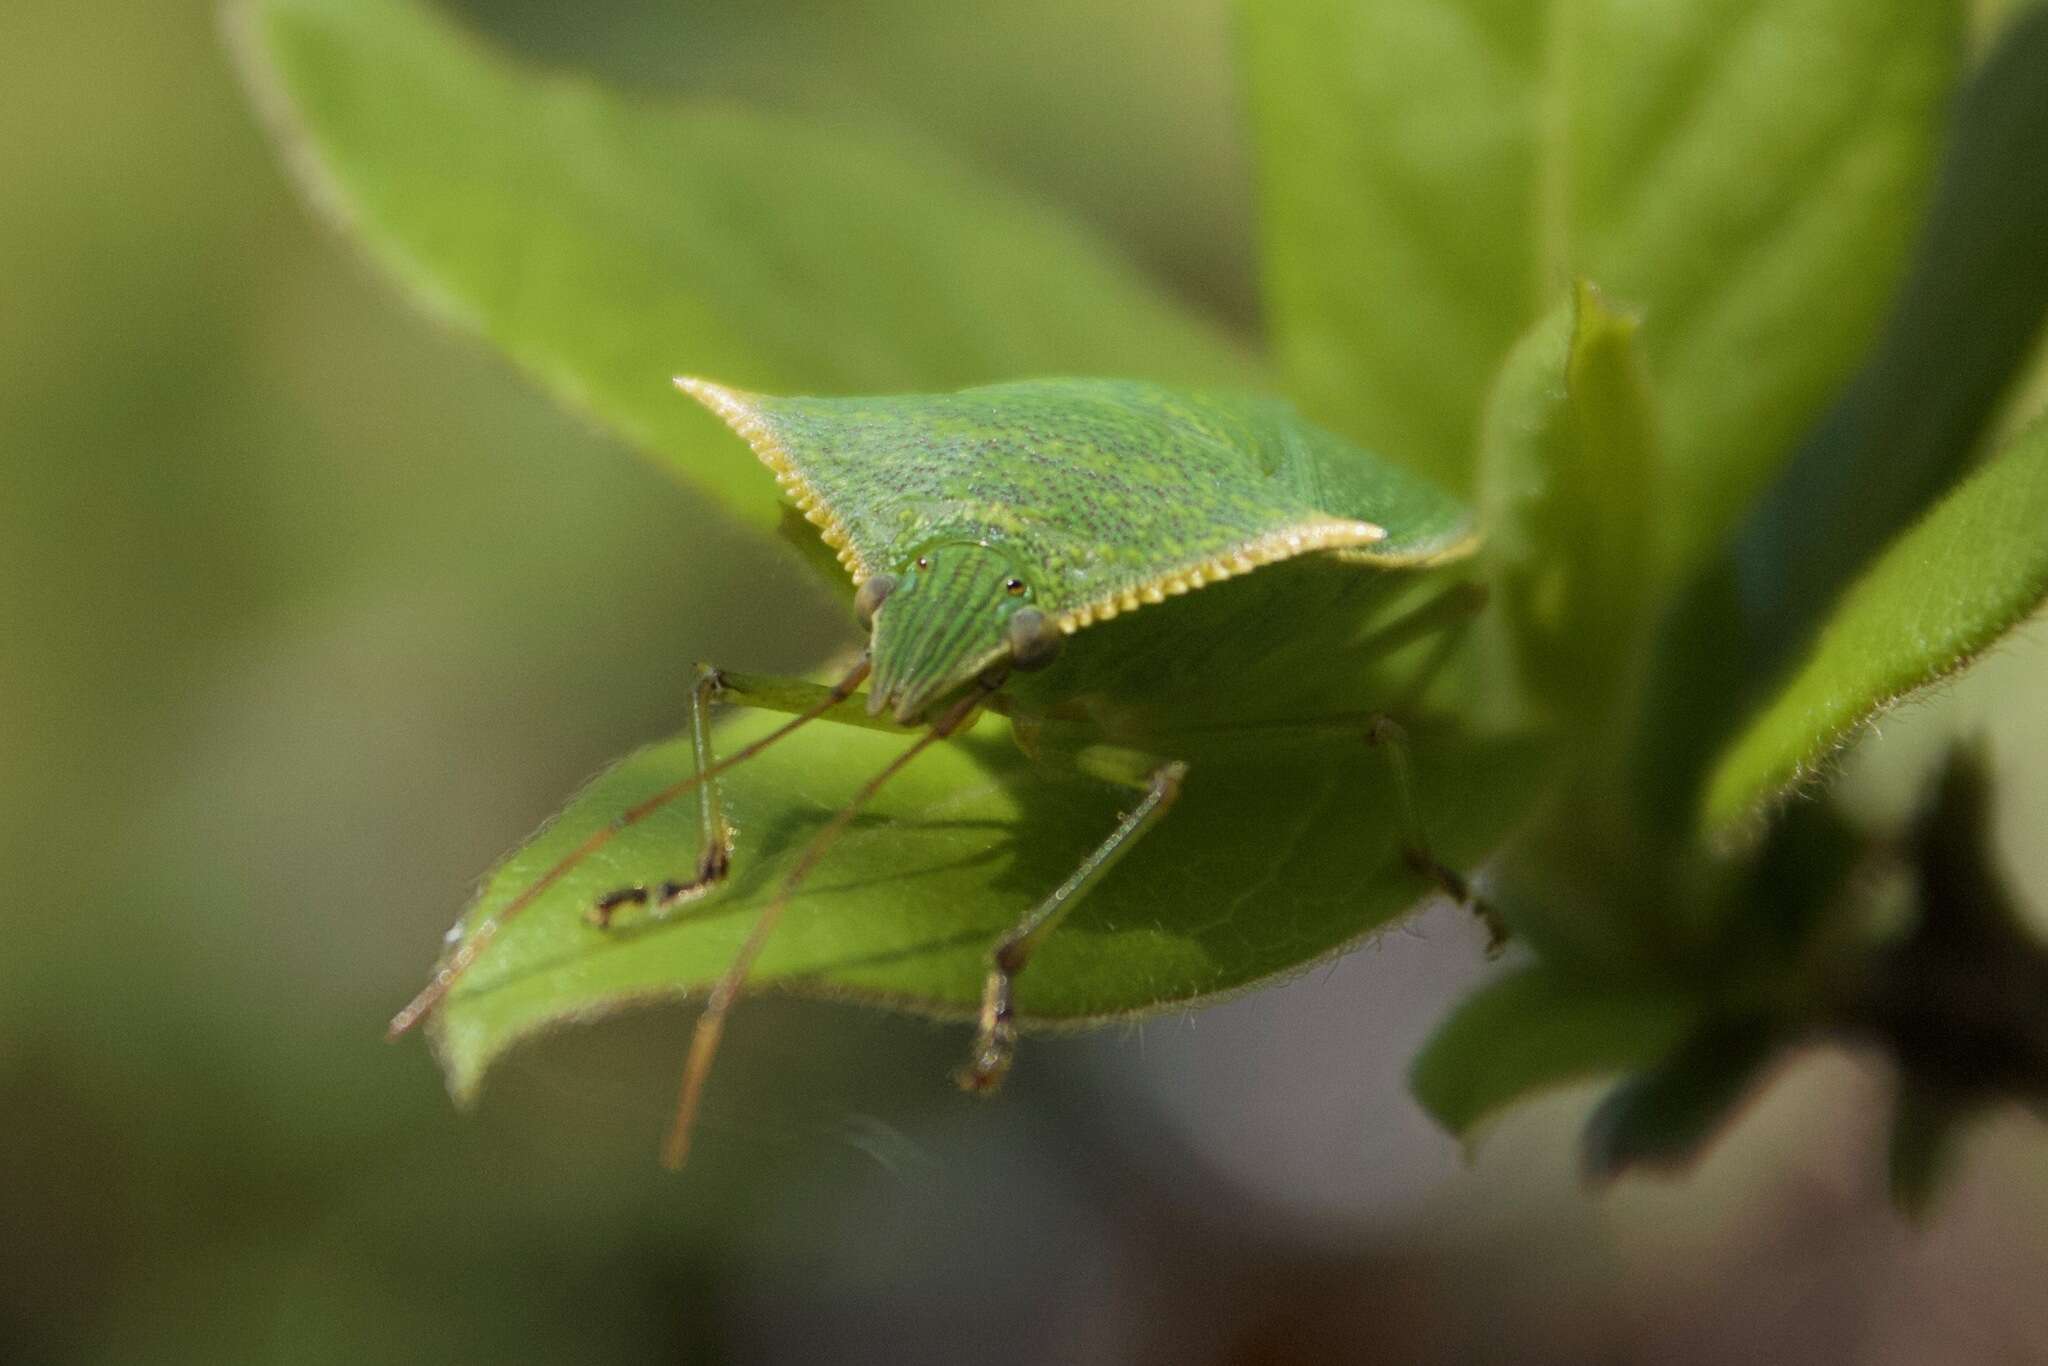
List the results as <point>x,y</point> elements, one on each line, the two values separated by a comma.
<point>715,838</point>
<point>996,1043</point>
<point>712,686</point>
<point>1443,619</point>
<point>805,702</point>
<point>710,1027</point>
<point>1386,734</point>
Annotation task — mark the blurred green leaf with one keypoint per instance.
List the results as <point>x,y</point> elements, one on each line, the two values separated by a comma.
<point>1537,1029</point>
<point>1148,149</point>
<point>1748,174</point>
<point>1570,485</point>
<point>1909,425</point>
<point>607,243</point>
<point>1971,570</point>
<point>1395,161</point>
<point>1264,864</point>
<point>1751,176</point>
<point>1665,1116</point>
<point>1990,18</point>
<point>2026,400</point>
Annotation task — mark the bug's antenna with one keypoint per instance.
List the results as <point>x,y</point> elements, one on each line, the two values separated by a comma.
<point>711,1024</point>
<point>472,948</point>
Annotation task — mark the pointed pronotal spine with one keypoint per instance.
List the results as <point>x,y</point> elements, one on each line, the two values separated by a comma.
<point>737,410</point>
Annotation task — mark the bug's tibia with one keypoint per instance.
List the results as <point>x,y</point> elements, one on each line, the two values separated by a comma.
<point>995,1045</point>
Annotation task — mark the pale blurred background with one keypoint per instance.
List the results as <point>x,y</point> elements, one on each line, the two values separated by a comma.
<point>309,611</point>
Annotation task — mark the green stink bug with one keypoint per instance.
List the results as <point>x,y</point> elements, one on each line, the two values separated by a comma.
<point>1035,550</point>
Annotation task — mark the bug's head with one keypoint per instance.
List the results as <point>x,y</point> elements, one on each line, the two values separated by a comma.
<point>949,615</point>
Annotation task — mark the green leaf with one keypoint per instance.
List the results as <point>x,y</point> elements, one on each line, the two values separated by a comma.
<point>1748,174</point>
<point>1570,480</point>
<point>1262,866</point>
<point>1751,176</point>
<point>1989,19</point>
<point>1396,164</point>
<point>1666,1116</point>
<point>1911,423</point>
<point>1536,1029</point>
<point>1975,567</point>
<point>608,243</point>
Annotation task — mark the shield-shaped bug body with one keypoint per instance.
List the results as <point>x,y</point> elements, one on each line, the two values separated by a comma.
<point>1141,579</point>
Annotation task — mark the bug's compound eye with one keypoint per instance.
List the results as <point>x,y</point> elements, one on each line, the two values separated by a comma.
<point>869,599</point>
<point>1015,587</point>
<point>1034,639</point>
<point>924,562</point>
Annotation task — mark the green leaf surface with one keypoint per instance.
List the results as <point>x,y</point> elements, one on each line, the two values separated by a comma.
<point>1536,1029</point>
<point>1972,569</point>
<point>1910,424</point>
<point>1665,1117</point>
<point>1570,478</point>
<point>1395,162</point>
<point>1747,173</point>
<point>607,243</point>
<point>1750,175</point>
<point>1989,19</point>
<point>1264,865</point>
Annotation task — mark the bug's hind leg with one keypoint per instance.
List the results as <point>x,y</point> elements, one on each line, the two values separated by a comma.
<point>1386,734</point>
<point>996,1043</point>
<point>714,862</point>
<point>1443,619</point>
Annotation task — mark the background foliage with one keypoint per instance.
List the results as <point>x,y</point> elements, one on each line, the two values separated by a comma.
<point>312,610</point>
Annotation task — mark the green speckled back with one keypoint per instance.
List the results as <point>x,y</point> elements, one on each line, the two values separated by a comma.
<point>1108,484</point>
<point>1103,496</point>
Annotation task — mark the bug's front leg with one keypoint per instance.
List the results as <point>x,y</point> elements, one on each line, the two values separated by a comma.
<point>715,842</point>
<point>714,862</point>
<point>995,1044</point>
